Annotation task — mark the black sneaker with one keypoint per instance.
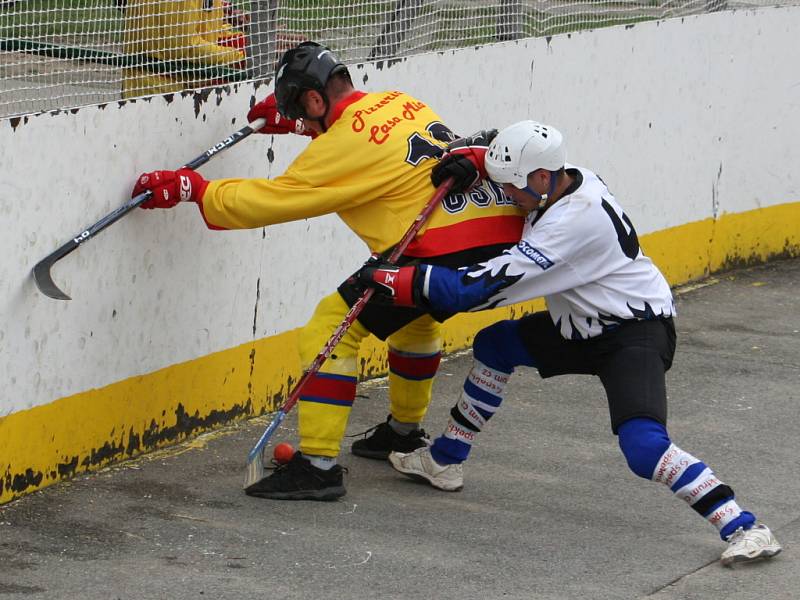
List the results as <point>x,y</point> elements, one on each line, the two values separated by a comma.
<point>384,440</point>
<point>300,480</point>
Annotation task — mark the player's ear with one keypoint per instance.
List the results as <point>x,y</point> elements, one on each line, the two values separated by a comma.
<point>314,104</point>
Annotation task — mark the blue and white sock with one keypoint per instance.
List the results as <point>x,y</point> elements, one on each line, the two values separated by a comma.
<point>651,455</point>
<point>479,400</point>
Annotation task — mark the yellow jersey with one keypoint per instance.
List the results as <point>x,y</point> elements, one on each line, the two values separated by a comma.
<point>372,167</point>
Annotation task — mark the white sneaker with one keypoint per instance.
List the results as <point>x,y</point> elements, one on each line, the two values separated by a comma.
<point>757,542</point>
<point>419,464</point>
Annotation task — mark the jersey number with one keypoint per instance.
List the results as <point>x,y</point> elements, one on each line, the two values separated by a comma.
<point>628,240</point>
<point>420,148</point>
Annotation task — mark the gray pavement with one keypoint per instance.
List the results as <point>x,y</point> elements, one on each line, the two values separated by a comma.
<point>549,508</point>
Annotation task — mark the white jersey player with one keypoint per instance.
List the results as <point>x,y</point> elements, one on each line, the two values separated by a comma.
<point>609,313</point>
<point>581,254</point>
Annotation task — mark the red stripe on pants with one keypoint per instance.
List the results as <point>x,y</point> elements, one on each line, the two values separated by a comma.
<point>414,367</point>
<point>333,387</point>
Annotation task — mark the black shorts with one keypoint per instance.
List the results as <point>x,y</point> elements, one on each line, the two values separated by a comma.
<point>630,360</point>
<point>382,319</point>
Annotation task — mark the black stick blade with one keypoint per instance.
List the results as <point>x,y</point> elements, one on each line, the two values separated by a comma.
<point>45,283</point>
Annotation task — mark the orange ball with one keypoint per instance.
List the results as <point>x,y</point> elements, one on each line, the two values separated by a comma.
<point>283,453</point>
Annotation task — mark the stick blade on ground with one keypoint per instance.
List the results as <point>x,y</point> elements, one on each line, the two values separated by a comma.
<point>255,469</point>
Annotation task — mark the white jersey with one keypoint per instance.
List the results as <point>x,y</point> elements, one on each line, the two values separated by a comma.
<point>583,256</point>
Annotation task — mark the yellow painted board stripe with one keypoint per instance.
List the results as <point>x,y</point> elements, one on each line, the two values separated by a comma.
<point>93,428</point>
<point>694,250</point>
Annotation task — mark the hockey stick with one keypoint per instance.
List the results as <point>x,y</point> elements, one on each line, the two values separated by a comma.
<point>41,271</point>
<point>255,459</point>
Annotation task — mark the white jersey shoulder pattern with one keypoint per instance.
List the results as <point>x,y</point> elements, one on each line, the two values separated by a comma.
<point>583,256</point>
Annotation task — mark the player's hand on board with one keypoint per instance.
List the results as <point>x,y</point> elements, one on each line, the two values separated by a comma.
<point>170,187</point>
<point>267,109</point>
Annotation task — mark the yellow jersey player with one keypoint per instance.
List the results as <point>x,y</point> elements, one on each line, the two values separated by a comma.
<point>370,162</point>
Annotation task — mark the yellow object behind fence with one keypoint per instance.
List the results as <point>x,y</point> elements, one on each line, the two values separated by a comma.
<point>192,33</point>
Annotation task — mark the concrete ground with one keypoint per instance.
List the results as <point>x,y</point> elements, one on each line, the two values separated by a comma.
<point>549,509</point>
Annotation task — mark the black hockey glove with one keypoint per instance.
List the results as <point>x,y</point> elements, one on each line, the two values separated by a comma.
<point>464,161</point>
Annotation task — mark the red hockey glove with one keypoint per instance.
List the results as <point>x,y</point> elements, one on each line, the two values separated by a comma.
<point>390,281</point>
<point>276,123</point>
<point>170,187</point>
<point>464,161</point>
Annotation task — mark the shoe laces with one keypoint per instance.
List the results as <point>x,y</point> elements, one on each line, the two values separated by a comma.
<point>371,429</point>
<point>736,536</point>
<point>740,535</point>
<point>278,467</point>
<point>366,432</point>
<point>412,434</point>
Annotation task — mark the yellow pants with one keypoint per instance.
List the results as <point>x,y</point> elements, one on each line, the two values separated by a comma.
<point>326,400</point>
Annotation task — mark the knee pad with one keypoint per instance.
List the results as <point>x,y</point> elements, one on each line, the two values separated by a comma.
<point>643,442</point>
<point>500,346</point>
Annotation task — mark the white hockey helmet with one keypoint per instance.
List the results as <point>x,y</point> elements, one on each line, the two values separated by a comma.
<point>521,149</point>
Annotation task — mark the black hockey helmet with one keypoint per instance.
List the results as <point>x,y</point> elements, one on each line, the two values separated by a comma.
<point>308,66</point>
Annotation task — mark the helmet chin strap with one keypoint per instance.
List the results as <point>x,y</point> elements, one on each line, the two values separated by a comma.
<point>543,198</point>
